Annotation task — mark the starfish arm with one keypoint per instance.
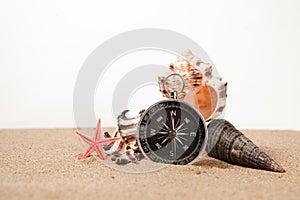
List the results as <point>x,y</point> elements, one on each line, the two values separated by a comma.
<point>98,130</point>
<point>100,152</point>
<point>96,143</point>
<point>85,138</point>
<point>107,141</point>
<point>88,152</point>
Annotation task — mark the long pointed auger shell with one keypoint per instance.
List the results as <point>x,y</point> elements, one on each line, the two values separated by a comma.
<point>227,143</point>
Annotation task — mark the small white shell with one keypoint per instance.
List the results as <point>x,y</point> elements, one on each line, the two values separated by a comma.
<point>125,149</point>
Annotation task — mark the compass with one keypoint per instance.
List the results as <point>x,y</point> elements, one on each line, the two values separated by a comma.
<point>172,131</point>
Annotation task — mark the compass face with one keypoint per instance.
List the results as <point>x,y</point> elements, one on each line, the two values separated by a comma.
<point>172,132</point>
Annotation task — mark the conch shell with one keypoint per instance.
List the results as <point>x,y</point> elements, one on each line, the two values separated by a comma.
<point>203,88</point>
<point>227,143</point>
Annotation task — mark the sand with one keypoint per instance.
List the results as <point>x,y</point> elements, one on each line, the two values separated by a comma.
<point>45,164</point>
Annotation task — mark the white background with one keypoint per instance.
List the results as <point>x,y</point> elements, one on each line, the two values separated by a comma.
<point>255,46</point>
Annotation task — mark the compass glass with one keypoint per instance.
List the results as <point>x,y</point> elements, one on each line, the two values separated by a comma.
<point>172,132</point>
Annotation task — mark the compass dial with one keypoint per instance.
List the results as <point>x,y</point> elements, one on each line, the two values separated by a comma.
<point>172,132</point>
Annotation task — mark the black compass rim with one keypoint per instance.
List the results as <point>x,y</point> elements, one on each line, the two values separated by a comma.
<point>183,161</point>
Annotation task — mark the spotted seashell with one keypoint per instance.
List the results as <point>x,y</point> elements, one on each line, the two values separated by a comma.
<point>227,143</point>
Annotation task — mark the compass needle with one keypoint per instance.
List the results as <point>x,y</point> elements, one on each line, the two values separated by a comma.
<point>164,140</point>
<point>177,138</point>
<point>179,127</point>
<point>181,133</point>
<point>166,125</point>
<point>162,128</point>
<point>172,123</point>
<point>162,132</point>
<point>177,123</point>
<point>182,129</point>
<point>182,138</point>
<point>174,142</point>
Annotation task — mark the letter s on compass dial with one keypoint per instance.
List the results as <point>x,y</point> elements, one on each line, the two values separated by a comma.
<point>172,132</point>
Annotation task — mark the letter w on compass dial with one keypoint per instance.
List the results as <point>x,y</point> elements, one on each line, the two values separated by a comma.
<point>174,133</point>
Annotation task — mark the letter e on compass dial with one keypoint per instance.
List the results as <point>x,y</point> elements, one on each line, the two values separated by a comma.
<point>175,133</point>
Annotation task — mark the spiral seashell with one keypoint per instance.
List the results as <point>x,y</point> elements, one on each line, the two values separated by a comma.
<point>227,143</point>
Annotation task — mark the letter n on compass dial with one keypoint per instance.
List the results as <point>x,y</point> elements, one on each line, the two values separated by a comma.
<point>172,132</point>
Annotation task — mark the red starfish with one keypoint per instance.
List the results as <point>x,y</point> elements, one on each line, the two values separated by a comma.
<point>96,143</point>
